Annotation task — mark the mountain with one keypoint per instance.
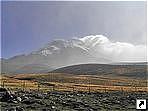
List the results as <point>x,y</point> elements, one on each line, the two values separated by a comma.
<point>131,63</point>
<point>130,71</point>
<point>34,68</point>
<point>91,49</point>
<point>56,54</point>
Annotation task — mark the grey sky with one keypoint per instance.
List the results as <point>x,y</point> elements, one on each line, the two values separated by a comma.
<point>27,26</point>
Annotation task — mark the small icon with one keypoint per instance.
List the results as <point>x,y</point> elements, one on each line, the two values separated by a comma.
<point>141,104</point>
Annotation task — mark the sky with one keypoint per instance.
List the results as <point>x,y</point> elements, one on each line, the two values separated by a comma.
<point>27,26</point>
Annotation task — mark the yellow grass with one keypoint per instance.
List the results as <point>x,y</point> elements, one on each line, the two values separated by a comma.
<point>65,82</point>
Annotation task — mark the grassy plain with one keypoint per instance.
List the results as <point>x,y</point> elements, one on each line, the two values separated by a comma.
<point>69,82</point>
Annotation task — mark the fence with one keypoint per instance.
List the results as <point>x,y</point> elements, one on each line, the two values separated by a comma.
<point>60,86</point>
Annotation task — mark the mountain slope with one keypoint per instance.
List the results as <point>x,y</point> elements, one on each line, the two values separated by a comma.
<point>134,71</point>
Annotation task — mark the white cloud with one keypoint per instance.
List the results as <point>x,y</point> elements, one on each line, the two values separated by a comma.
<point>100,45</point>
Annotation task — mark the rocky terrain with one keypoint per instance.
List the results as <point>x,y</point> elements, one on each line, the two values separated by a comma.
<point>68,101</point>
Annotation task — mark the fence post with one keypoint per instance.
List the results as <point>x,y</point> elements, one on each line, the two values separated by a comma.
<point>89,85</point>
<point>3,84</point>
<point>53,87</point>
<point>135,88</point>
<point>105,90</point>
<point>38,87</point>
<point>23,85</point>
<point>73,89</point>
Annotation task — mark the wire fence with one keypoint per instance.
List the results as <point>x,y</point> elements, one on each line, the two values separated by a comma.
<point>26,85</point>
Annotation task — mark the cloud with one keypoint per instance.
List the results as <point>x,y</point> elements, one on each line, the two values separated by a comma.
<point>101,46</point>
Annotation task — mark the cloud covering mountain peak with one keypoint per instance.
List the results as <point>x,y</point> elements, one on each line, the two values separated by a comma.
<point>99,46</point>
<point>95,39</point>
<point>117,51</point>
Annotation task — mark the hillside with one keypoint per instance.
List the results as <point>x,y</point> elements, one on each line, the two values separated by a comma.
<point>132,70</point>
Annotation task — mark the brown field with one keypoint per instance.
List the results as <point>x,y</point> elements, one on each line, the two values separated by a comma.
<point>68,82</point>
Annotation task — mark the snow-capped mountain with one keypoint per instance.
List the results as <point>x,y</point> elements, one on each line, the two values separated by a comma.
<point>60,53</point>
<point>86,44</point>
